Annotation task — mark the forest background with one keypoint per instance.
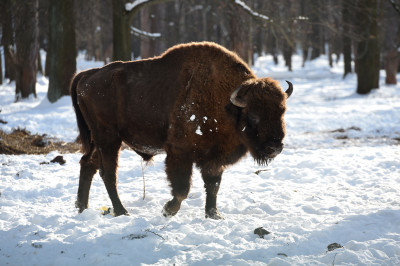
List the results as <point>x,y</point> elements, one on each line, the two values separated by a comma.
<point>365,32</point>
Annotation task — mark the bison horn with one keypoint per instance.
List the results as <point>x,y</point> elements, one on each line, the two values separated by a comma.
<point>236,101</point>
<point>289,91</point>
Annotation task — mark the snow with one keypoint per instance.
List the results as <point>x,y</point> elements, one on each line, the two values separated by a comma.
<point>130,6</point>
<point>252,12</point>
<point>336,181</point>
<point>145,33</point>
<point>198,131</point>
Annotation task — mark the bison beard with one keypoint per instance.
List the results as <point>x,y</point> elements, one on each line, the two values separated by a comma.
<point>199,103</point>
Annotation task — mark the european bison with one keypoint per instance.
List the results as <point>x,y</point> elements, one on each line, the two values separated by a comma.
<point>198,102</point>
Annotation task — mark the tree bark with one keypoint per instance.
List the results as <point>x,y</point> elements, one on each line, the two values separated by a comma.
<point>391,64</point>
<point>121,32</point>
<point>7,38</point>
<point>62,64</point>
<point>26,40</point>
<point>239,33</point>
<point>122,27</point>
<point>368,47</point>
<point>1,70</point>
<point>346,20</point>
<point>315,35</point>
<point>391,55</point>
<point>39,63</point>
<point>148,24</point>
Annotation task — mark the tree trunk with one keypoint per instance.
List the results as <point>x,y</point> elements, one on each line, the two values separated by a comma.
<point>289,39</point>
<point>122,26</point>
<point>1,70</point>
<point>239,33</point>
<point>63,48</point>
<point>315,35</point>
<point>391,27</point>
<point>346,20</point>
<point>148,24</point>
<point>39,63</point>
<point>368,47</point>
<point>391,63</point>
<point>121,32</point>
<point>7,38</point>
<point>26,40</point>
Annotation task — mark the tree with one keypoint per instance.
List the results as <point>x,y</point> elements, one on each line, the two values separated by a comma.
<point>239,32</point>
<point>1,71</point>
<point>346,22</point>
<point>62,48</point>
<point>7,38</point>
<point>367,59</point>
<point>26,40</point>
<point>391,41</point>
<point>121,31</point>
<point>315,35</point>
<point>123,13</point>
<point>288,40</point>
<point>148,16</point>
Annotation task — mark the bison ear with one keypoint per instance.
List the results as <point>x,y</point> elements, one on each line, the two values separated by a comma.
<point>289,91</point>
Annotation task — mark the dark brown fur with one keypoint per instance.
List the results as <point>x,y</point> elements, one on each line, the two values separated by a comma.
<point>178,103</point>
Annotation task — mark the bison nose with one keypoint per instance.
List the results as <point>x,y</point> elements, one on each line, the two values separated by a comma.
<point>276,145</point>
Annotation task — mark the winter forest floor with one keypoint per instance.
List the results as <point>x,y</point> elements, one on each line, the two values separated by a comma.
<point>331,197</point>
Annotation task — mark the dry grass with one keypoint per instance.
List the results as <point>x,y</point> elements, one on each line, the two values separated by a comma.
<point>21,141</point>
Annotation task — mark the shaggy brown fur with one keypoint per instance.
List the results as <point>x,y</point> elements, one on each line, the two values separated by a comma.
<point>178,103</point>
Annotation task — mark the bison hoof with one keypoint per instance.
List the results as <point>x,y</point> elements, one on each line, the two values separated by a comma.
<point>167,213</point>
<point>81,207</point>
<point>171,208</point>
<point>214,214</point>
<point>120,212</point>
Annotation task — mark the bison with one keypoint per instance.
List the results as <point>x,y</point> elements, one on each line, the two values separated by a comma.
<point>198,102</point>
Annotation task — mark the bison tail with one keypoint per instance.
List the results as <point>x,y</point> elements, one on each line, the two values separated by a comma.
<point>84,130</point>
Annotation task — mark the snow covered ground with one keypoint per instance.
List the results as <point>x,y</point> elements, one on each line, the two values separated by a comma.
<point>337,181</point>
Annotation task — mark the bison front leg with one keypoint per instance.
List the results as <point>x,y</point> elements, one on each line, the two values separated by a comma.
<point>179,173</point>
<point>212,181</point>
<point>89,166</point>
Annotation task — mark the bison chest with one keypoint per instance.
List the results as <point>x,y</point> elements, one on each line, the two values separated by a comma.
<point>207,140</point>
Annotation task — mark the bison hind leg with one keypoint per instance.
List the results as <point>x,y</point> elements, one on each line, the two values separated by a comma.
<point>109,154</point>
<point>89,166</point>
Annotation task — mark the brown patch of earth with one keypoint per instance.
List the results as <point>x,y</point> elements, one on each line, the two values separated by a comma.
<point>21,141</point>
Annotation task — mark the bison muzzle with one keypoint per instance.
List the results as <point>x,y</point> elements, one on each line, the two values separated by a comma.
<point>198,102</point>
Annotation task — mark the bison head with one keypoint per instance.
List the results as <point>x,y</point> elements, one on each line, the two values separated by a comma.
<point>258,106</point>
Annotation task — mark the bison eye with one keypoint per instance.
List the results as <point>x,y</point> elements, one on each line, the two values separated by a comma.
<point>242,68</point>
<point>253,119</point>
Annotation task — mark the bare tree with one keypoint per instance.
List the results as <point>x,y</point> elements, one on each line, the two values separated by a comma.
<point>367,59</point>
<point>391,42</point>
<point>123,12</point>
<point>26,40</point>
<point>347,13</point>
<point>1,71</point>
<point>7,38</point>
<point>62,48</point>
<point>148,22</point>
